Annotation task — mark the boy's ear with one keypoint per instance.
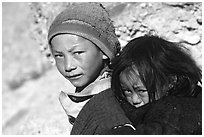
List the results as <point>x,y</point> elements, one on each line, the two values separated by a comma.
<point>105,57</point>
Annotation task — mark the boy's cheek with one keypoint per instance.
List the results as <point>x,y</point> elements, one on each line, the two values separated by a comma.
<point>59,67</point>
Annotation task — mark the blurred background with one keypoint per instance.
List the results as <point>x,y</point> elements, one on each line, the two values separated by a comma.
<point>30,81</point>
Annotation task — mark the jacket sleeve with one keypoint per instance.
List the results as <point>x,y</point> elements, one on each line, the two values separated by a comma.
<point>176,115</point>
<point>169,116</point>
<point>153,128</point>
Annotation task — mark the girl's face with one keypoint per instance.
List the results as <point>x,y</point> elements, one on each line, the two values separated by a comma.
<point>133,88</point>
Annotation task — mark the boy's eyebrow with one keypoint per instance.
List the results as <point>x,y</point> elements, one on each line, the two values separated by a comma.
<point>73,48</point>
<point>56,51</point>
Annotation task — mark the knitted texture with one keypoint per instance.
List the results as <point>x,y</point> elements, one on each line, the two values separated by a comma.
<point>88,20</point>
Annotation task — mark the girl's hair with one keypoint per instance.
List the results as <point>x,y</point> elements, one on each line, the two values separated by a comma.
<point>164,67</point>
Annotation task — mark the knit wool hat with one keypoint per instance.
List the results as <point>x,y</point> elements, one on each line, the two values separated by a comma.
<point>88,20</point>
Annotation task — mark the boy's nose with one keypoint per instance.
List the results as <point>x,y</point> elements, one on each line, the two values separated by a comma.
<point>68,64</point>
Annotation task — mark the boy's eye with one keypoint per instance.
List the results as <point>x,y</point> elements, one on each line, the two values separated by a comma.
<point>78,52</point>
<point>58,56</point>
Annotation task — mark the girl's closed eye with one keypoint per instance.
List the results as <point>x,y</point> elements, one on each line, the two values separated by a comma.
<point>141,90</point>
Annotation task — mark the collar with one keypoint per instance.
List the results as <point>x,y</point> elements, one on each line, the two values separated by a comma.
<point>100,84</point>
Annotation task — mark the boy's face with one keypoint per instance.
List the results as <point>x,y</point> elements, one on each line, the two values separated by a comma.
<point>77,59</point>
<point>133,88</point>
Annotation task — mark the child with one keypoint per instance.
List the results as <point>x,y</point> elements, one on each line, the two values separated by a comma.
<point>83,42</point>
<point>157,85</point>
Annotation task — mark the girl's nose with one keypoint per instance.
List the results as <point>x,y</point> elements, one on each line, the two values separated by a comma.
<point>136,99</point>
<point>69,64</point>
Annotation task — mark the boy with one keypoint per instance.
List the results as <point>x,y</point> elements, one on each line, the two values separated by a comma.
<point>83,42</point>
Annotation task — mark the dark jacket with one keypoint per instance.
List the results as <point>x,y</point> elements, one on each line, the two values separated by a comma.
<point>169,115</point>
<point>101,112</point>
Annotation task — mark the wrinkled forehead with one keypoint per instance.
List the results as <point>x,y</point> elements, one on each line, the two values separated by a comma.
<point>129,76</point>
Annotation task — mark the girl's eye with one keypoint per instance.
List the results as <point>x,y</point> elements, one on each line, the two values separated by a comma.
<point>142,90</point>
<point>139,89</point>
<point>127,92</point>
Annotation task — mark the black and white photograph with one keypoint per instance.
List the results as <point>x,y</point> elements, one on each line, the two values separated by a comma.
<point>101,68</point>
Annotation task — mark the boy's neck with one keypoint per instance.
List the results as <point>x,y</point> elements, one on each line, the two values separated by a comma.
<point>105,69</point>
<point>79,89</point>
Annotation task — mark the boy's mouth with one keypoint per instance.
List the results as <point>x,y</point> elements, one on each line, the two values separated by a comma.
<point>74,76</point>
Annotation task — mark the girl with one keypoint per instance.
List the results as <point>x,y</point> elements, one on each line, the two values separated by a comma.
<point>156,83</point>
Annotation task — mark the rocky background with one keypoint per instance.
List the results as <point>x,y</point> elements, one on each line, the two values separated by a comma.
<point>31,83</point>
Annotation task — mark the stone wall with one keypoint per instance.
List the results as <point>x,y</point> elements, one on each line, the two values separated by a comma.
<point>178,22</point>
